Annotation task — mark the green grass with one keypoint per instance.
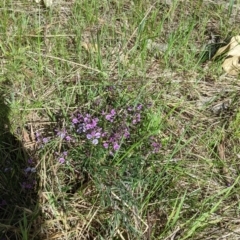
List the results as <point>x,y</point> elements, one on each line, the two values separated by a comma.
<point>94,56</point>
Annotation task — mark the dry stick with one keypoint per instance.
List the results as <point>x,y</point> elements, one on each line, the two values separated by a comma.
<point>120,234</point>
<point>134,32</point>
<point>64,60</point>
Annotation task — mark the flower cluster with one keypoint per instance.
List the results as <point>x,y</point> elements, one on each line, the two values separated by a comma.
<point>88,125</point>
<point>110,133</point>
<point>110,130</point>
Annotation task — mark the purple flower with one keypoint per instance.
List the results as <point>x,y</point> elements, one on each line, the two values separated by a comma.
<point>105,145</point>
<point>61,156</point>
<point>94,135</point>
<point>126,133</point>
<point>90,123</point>
<point>104,134</point>
<point>129,109</point>
<point>116,146</point>
<point>103,113</point>
<point>137,119</point>
<point>62,133</point>
<point>95,141</point>
<point>113,112</point>
<point>89,136</point>
<point>68,138</point>
<point>139,107</point>
<point>45,140</point>
<point>110,116</point>
<point>38,137</point>
<point>89,126</point>
<point>95,121</point>
<point>156,147</point>
<point>97,135</point>
<point>87,118</point>
<point>61,160</point>
<point>75,121</point>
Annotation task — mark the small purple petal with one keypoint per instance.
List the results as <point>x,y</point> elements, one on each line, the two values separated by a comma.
<point>75,120</point>
<point>116,146</point>
<point>68,138</point>
<point>154,144</point>
<point>113,112</point>
<point>61,160</point>
<point>108,117</point>
<point>89,126</point>
<point>156,147</point>
<point>95,141</point>
<point>38,134</point>
<point>89,136</point>
<point>104,134</point>
<point>95,121</point>
<point>126,133</point>
<point>97,135</point>
<point>138,116</point>
<point>45,140</point>
<point>61,134</point>
<point>105,145</point>
<point>139,107</point>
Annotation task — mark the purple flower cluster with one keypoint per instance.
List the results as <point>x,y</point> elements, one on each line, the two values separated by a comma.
<point>87,125</point>
<point>110,130</point>
<point>113,138</point>
<point>110,116</point>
